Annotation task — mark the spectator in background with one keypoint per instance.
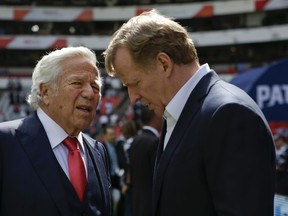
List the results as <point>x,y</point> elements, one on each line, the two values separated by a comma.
<point>142,160</point>
<point>36,173</point>
<point>280,148</point>
<point>11,87</point>
<point>104,121</point>
<point>14,87</point>
<point>217,156</point>
<point>129,131</point>
<point>109,141</point>
<point>2,116</point>
<point>281,164</point>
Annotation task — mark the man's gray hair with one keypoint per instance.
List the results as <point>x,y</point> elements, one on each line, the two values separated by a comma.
<point>47,70</point>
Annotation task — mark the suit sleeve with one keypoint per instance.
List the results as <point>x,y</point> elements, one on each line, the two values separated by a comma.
<point>240,162</point>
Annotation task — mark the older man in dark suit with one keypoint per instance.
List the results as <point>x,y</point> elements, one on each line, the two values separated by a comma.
<point>41,173</point>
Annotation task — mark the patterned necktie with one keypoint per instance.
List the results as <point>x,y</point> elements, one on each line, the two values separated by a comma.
<point>76,167</point>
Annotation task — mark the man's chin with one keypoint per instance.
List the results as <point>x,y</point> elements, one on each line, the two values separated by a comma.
<point>158,112</point>
<point>82,124</point>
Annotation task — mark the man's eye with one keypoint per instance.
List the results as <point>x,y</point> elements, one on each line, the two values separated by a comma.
<point>95,88</point>
<point>137,84</point>
<point>76,83</point>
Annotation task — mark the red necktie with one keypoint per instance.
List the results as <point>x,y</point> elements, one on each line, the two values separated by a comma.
<point>76,167</point>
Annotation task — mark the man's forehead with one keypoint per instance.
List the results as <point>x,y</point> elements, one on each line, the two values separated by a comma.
<point>92,74</point>
<point>122,60</point>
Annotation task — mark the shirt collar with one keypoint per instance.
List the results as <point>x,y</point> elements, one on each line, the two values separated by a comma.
<point>153,130</point>
<point>55,133</point>
<point>176,105</point>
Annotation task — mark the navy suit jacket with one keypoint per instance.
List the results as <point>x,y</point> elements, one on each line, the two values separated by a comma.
<point>142,159</point>
<point>220,158</point>
<point>31,179</point>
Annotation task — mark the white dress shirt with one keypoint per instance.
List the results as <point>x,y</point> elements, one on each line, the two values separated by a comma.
<point>175,106</point>
<point>56,135</point>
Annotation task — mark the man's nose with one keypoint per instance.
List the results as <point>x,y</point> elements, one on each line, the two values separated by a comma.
<point>133,95</point>
<point>88,91</point>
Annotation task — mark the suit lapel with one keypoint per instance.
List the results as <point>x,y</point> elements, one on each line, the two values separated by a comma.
<point>95,155</point>
<point>34,140</point>
<point>189,111</point>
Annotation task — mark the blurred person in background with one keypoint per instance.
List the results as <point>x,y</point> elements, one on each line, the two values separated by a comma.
<point>216,155</point>
<point>142,159</point>
<point>129,131</point>
<point>281,164</point>
<point>37,164</point>
<point>280,148</point>
<point>109,141</point>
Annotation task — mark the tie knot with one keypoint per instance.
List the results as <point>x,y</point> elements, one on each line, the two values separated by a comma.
<point>71,143</point>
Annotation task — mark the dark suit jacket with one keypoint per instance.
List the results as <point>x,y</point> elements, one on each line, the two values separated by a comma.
<point>220,158</point>
<point>142,159</point>
<point>32,183</point>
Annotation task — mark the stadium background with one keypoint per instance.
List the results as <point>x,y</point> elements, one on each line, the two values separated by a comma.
<point>233,36</point>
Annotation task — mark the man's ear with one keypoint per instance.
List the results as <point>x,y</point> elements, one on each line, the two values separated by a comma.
<point>165,63</point>
<point>45,92</point>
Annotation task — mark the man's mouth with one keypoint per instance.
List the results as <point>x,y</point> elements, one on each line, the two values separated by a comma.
<point>84,108</point>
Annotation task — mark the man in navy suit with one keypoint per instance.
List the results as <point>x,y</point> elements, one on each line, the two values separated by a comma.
<point>142,156</point>
<point>216,156</point>
<point>34,169</point>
